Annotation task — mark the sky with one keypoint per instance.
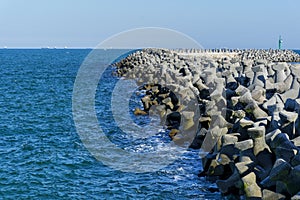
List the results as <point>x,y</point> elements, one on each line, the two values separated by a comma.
<point>212,23</point>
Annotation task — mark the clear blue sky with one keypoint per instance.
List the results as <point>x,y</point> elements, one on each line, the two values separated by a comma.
<point>213,23</point>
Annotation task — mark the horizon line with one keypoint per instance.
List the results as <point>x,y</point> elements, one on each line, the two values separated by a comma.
<point>131,48</point>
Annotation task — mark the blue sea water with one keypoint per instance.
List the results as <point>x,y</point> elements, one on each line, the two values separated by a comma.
<point>297,51</point>
<point>41,154</point>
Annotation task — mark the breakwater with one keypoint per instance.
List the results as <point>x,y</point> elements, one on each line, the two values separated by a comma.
<point>273,55</point>
<point>247,116</point>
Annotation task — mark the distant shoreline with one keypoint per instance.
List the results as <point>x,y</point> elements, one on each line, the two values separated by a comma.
<point>92,48</point>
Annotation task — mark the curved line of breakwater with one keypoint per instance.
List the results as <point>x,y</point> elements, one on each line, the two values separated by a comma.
<point>249,102</point>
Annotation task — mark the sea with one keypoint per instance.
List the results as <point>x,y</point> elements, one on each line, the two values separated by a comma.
<point>41,153</point>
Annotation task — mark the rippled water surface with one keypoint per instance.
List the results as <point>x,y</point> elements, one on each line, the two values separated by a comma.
<point>41,155</point>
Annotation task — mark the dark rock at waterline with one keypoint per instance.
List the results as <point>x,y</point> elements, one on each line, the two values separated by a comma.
<point>173,119</point>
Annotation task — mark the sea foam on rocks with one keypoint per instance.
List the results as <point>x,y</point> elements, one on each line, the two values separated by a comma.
<point>248,119</point>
